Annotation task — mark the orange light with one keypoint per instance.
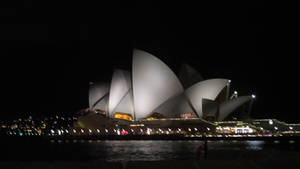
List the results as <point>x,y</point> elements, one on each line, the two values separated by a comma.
<point>100,112</point>
<point>123,116</point>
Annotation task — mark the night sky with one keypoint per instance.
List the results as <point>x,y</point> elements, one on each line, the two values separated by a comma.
<point>51,51</point>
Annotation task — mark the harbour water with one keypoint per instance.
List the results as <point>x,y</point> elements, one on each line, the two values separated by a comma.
<point>89,152</point>
<point>156,150</point>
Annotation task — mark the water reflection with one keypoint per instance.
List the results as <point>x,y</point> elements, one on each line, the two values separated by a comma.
<point>255,145</point>
<point>163,150</point>
<point>80,150</point>
<point>148,150</point>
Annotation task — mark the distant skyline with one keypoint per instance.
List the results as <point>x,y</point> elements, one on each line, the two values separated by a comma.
<point>52,51</point>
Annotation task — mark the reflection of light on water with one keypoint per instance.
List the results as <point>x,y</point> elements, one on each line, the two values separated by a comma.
<point>255,145</point>
<point>276,142</point>
<point>149,150</point>
<point>291,141</point>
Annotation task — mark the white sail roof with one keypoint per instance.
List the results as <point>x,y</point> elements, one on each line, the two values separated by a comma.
<point>153,83</point>
<point>208,89</point>
<point>175,106</point>
<point>125,105</point>
<point>96,92</point>
<point>120,85</point>
<point>102,104</point>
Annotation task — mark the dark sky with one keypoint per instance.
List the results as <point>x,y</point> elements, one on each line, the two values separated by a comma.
<point>50,51</point>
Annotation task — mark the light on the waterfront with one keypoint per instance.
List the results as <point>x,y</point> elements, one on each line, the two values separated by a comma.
<point>270,122</point>
<point>148,131</point>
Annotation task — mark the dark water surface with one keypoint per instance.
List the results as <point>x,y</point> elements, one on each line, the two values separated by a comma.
<point>160,150</point>
<point>148,150</point>
<point>154,154</point>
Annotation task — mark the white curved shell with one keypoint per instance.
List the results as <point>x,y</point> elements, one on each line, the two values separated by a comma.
<point>120,85</point>
<point>174,107</point>
<point>228,107</point>
<point>153,83</point>
<point>102,104</point>
<point>125,105</point>
<point>208,89</point>
<point>96,92</point>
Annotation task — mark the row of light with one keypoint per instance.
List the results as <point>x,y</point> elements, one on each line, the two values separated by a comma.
<point>23,133</point>
<point>62,131</point>
<point>276,128</point>
<point>148,130</point>
<point>242,129</point>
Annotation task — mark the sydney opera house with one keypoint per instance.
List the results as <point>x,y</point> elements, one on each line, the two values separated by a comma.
<point>153,91</point>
